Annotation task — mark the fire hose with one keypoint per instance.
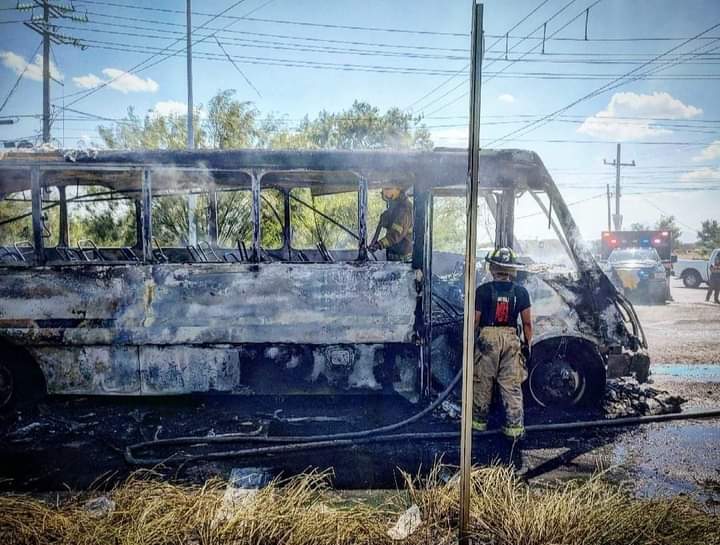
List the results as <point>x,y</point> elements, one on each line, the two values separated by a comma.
<point>381,434</point>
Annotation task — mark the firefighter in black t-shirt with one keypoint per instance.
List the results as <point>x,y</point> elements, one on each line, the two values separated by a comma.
<point>499,354</point>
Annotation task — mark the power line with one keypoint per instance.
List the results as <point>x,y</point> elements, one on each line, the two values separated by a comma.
<point>608,86</point>
<point>17,81</point>
<point>285,22</point>
<point>543,26</point>
<point>139,65</point>
<point>467,65</point>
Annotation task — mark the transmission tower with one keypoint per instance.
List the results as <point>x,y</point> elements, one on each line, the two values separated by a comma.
<point>42,24</point>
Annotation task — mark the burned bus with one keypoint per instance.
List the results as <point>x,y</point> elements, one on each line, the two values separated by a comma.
<point>248,272</point>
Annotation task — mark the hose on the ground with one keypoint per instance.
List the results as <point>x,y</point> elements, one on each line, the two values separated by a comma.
<point>237,437</point>
<point>415,436</point>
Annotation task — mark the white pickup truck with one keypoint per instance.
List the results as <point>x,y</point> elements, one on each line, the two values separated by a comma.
<point>694,272</point>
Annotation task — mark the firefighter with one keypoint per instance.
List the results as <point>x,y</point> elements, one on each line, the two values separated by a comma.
<point>397,220</point>
<point>500,356</point>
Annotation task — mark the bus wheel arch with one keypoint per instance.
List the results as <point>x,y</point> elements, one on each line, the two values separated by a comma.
<point>22,381</point>
<point>566,371</point>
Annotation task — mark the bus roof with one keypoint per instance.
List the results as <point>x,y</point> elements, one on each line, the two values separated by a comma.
<point>501,169</point>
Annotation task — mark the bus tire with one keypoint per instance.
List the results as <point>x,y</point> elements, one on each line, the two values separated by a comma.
<point>566,373</point>
<point>21,381</point>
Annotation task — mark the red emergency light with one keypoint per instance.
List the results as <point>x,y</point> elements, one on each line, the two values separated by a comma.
<point>657,241</point>
<point>664,233</point>
<point>613,241</point>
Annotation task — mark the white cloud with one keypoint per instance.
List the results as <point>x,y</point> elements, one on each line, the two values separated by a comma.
<point>701,175</point>
<point>33,71</point>
<point>709,153</point>
<point>119,80</point>
<point>87,82</point>
<point>613,123</point>
<point>169,107</point>
<point>507,98</point>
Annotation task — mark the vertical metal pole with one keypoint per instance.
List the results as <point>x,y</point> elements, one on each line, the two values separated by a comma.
<point>190,130</point>
<point>427,298</point>
<point>46,72</point>
<point>191,215</point>
<point>618,217</point>
<point>255,189</point>
<point>64,234</point>
<point>470,242</point>
<point>212,217</point>
<point>618,220</point>
<point>37,219</point>
<point>362,218</point>
<point>146,216</point>
<point>609,208</point>
<point>287,224</point>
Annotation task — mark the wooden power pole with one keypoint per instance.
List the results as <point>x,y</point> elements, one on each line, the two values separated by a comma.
<point>42,25</point>
<point>617,217</point>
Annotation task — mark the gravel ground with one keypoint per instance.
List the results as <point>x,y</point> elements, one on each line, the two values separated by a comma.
<point>686,330</point>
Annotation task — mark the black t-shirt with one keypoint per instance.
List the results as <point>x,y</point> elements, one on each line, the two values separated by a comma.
<point>500,303</point>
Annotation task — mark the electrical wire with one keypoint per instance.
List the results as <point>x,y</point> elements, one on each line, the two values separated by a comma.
<point>19,78</point>
<point>139,66</point>
<point>624,79</point>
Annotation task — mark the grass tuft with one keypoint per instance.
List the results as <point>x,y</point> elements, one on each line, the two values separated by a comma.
<point>306,510</point>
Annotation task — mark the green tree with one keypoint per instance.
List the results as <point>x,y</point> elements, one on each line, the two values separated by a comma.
<point>709,236</point>
<point>231,123</point>
<point>639,227</point>
<point>151,132</point>
<point>363,126</point>
<point>668,223</point>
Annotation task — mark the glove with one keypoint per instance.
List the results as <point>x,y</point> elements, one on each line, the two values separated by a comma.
<point>525,351</point>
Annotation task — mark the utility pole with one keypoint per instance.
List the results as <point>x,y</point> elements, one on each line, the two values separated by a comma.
<point>48,31</point>
<point>470,251</point>
<point>190,130</point>
<point>617,218</point>
<point>609,209</point>
<point>46,73</point>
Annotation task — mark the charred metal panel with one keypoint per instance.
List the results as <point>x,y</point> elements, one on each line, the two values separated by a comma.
<point>89,369</point>
<point>209,303</point>
<point>139,328</point>
<point>181,369</point>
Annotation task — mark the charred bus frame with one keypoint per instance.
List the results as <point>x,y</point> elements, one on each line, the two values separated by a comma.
<point>154,320</point>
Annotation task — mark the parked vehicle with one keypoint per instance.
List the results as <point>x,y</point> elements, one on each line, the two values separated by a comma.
<point>694,272</point>
<point>247,272</point>
<point>640,274</point>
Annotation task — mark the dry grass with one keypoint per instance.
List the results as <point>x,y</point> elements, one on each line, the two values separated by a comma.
<point>305,510</point>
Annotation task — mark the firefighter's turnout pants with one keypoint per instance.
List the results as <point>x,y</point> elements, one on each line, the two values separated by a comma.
<point>498,358</point>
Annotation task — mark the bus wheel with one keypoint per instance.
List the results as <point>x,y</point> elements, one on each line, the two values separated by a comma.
<point>7,386</point>
<point>566,373</point>
<point>21,381</point>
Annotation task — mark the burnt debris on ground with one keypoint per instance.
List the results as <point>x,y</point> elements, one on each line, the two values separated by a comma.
<point>627,397</point>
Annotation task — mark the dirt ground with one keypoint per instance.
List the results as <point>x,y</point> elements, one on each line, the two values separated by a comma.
<point>76,442</point>
<point>686,330</point>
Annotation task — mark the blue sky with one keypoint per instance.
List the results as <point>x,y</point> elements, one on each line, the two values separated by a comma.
<point>669,123</point>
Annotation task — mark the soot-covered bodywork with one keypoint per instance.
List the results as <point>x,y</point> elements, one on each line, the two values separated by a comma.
<point>205,315</point>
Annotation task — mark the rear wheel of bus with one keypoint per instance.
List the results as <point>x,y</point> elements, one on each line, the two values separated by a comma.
<point>21,381</point>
